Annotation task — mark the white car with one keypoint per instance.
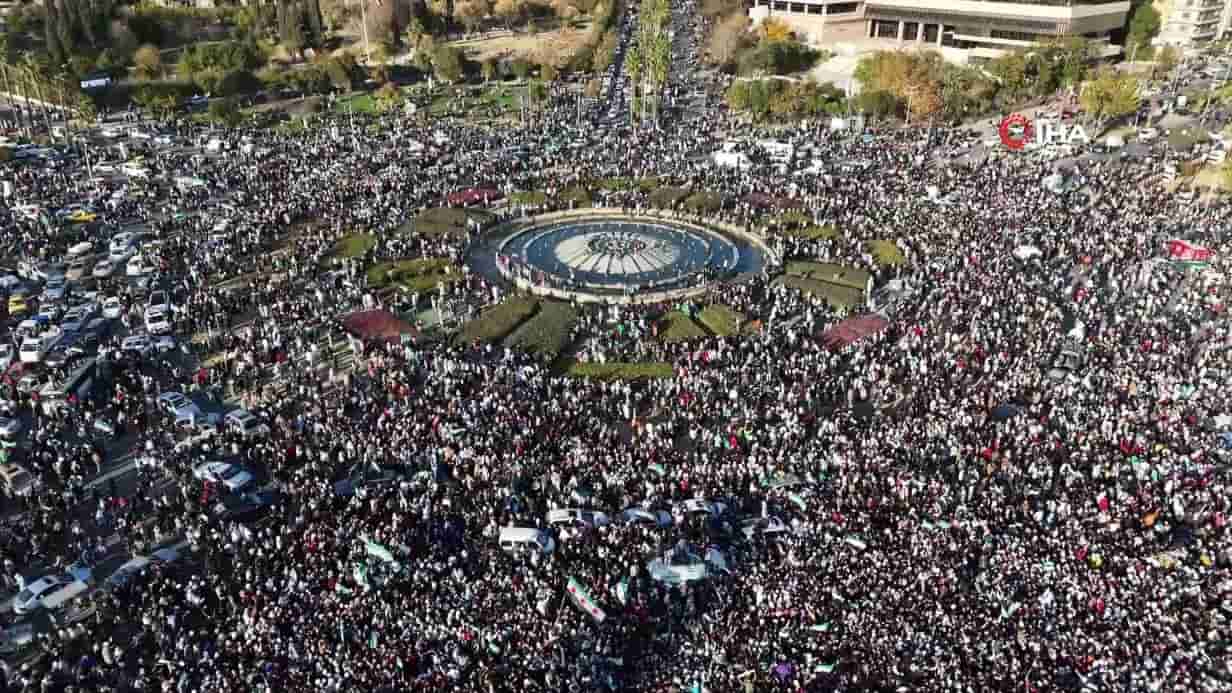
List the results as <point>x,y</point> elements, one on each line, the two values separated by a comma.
<point>573,516</point>
<point>700,506</point>
<point>641,516</point>
<point>178,406</point>
<point>138,565</point>
<point>246,423</point>
<point>682,564</point>
<point>158,320</point>
<point>113,308</point>
<point>139,266</point>
<point>52,591</point>
<point>139,134</point>
<point>768,527</point>
<point>233,476</point>
<point>164,343</point>
<point>112,133</point>
<point>139,344</point>
<point>1148,134</point>
<point>9,427</point>
<point>103,269</point>
<point>7,355</point>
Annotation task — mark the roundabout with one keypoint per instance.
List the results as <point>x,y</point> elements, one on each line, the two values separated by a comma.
<point>612,257</point>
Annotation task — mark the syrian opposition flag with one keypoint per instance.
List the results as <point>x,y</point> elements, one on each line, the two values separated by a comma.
<point>621,591</point>
<point>379,551</point>
<point>1184,251</point>
<point>584,601</point>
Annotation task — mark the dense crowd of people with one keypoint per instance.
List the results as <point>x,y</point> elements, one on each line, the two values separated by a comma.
<point>959,513</point>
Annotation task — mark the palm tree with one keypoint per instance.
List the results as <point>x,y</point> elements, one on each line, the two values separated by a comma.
<point>33,67</point>
<point>4,70</point>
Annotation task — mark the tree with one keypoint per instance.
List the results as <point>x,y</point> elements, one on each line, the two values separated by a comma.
<point>447,64</point>
<point>1110,95</point>
<point>148,62</point>
<point>730,36</point>
<point>774,29</point>
<point>225,111</point>
<point>605,52</point>
<point>488,69</point>
<point>1144,25</point>
<point>510,11</point>
<point>470,13</point>
<point>537,92</point>
<point>548,72</point>
<point>878,103</point>
<point>388,97</point>
<point>1167,58</point>
<point>737,96</point>
<point>520,68</point>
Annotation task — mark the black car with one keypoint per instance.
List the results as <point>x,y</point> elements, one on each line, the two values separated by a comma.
<point>248,507</point>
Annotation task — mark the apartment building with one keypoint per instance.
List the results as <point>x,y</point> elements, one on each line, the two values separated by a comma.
<point>1188,23</point>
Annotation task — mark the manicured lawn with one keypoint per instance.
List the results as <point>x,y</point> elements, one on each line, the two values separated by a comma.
<point>439,221</point>
<point>530,198</point>
<point>721,320</point>
<point>497,322</point>
<point>886,253</point>
<point>678,327</point>
<point>359,103</point>
<point>812,233</point>
<point>549,331</point>
<point>579,196</point>
<point>829,272</point>
<point>837,295</point>
<point>420,275</point>
<point>620,371</point>
<point>704,201</point>
<point>667,197</point>
<point>354,245</point>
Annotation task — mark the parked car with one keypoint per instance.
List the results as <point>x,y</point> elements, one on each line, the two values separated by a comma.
<point>246,423</point>
<point>113,308</point>
<point>685,564</point>
<point>139,564</point>
<point>178,406</point>
<point>16,479</point>
<point>104,269</point>
<point>53,592</point>
<point>233,476</point>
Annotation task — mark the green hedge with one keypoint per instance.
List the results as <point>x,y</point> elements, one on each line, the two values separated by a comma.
<point>414,275</point>
<point>678,327</point>
<point>620,371</point>
<point>721,320</point>
<point>354,245</point>
<point>550,331</point>
<point>497,322</point>
<point>851,277</point>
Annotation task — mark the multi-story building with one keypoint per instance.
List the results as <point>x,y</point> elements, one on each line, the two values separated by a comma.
<point>982,28</point>
<point>1191,22</point>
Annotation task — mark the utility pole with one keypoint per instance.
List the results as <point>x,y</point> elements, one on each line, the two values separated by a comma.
<point>363,20</point>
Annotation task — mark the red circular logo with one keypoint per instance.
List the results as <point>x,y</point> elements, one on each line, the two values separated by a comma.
<point>1016,130</point>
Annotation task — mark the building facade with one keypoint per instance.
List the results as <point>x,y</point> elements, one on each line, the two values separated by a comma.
<point>982,28</point>
<point>1192,22</point>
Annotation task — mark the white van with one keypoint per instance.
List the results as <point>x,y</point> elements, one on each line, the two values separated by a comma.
<point>33,349</point>
<point>526,540</point>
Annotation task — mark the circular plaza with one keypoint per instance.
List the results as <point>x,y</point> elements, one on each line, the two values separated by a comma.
<point>614,257</point>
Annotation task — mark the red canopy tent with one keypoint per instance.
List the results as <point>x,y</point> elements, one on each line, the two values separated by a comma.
<point>472,196</point>
<point>376,325</point>
<point>854,329</point>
